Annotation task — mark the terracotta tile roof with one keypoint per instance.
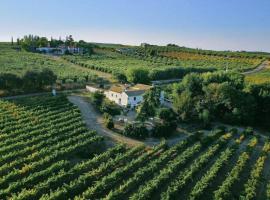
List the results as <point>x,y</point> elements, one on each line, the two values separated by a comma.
<point>135,90</point>
<point>117,88</point>
<point>140,87</point>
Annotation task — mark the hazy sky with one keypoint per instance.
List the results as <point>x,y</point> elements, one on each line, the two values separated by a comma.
<point>208,24</point>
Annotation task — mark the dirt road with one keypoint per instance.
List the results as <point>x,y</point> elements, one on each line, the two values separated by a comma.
<point>262,66</point>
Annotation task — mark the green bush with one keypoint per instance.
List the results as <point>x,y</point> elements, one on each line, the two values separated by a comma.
<point>165,129</point>
<point>166,114</point>
<point>137,75</point>
<point>108,120</point>
<point>135,131</point>
<point>110,107</point>
<point>97,98</point>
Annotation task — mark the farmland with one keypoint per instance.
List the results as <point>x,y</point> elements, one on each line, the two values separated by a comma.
<point>260,77</point>
<point>18,62</point>
<point>47,153</point>
<point>118,59</point>
<point>135,57</point>
<point>109,61</point>
<point>185,57</point>
<point>221,62</point>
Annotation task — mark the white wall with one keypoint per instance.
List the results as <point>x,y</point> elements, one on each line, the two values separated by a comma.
<point>118,98</point>
<point>125,100</point>
<point>134,102</point>
<point>92,89</point>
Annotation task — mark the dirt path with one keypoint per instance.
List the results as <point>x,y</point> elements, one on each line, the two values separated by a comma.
<point>262,66</point>
<point>93,121</point>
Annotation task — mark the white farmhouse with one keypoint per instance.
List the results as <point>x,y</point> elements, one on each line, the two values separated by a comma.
<point>127,95</point>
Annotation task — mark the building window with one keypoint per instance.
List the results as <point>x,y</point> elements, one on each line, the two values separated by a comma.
<point>134,98</point>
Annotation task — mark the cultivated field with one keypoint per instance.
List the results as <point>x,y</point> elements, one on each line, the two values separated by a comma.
<point>47,153</point>
<point>18,62</point>
<point>260,77</point>
<point>186,57</point>
<point>107,59</point>
<point>110,61</point>
<point>219,62</point>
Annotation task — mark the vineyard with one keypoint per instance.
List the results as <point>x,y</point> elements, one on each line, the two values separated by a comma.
<point>185,57</point>
<point>18,62</point>
<point>110,61</point>
<point>47,153</point>
<point>168,64</point>
<point>165,63</point>
<point>260,77</point>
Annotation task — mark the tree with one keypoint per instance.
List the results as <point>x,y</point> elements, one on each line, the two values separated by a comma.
<point>184,105</point>
<point>168,124</point>
<point>69,41</point>
<point>97,98</point>
<point>10,81</point>
<point>87,47</point>
<point>149,105</point>
<point>47,77</point>
<point>137,75</point>
<point>110,107</point>
<point>120,77</point>
<point>166,114</point>
<point>192,83</point>
<point>219,96</point>
<point>164,129</point>
<point>108,120</point>
<point>135,130</point>
<point>31,81</point>
<point>34,80</point>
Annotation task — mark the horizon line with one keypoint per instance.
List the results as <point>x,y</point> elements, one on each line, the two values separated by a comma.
<point>128,44</point>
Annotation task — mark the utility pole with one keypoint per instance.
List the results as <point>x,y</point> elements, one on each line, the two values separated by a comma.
<point>12,41</point>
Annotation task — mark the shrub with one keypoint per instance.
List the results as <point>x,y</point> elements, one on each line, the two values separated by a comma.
<point>110,107</point>
<point>97,98</point>
<point>135,131</point>
<point>137,75</point>
<point>164,129</point>
<point>120,77</point>
<point>166,114</point>
<point>108,120</point>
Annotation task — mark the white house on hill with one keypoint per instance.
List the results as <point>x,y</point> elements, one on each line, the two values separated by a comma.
<point>127,95</point>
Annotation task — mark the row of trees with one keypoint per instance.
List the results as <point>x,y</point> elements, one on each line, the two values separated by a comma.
<point>31,81</point>
<point>222,96</point>
<point>141,75</point>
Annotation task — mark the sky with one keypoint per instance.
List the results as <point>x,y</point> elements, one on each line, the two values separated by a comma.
<point>206,24</point>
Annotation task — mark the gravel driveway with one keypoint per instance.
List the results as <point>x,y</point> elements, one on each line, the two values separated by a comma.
<point>94,122</point>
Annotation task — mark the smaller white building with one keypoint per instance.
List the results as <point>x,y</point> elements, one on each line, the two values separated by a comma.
<point>124,95</point>
<point>61,50</point>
